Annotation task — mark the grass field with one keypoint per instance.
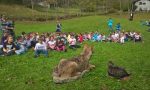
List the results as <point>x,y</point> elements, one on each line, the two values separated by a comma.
<point>22,12</point>
<point>27,73</point>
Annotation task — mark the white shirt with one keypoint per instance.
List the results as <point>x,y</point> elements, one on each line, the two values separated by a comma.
<point>28,42</point>
<point>122,38</point>
<point>103,37</point>
<point>89,36</point>
<point>51,42</point>
<point>137,36</point>
<point>72,41</point>
<point>113,36</point>
<point>131,34</point>
<point>117,35</point>
<point>46,40</point>
<point>40,46</point>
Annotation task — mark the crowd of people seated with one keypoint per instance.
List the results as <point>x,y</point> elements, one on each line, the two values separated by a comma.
<point>42,43</point>
<point>117,37</point>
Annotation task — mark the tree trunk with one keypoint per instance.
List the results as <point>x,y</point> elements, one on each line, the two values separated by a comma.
<point>32,4</point>
<point>120,5</point>
<point>106,6</point>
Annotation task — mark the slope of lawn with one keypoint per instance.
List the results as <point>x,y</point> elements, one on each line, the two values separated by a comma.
<point>24,72</point>
<point>22,12</point>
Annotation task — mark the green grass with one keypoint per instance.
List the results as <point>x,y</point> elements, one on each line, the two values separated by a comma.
<point>15,71</point>
<point>21,12</point>
<point>18,11</point>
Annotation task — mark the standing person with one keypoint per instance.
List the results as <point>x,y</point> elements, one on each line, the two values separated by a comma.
<point>110,24</point>
<point>131,16</point>
<point>118,27</point>
<point>10,28</point>
<point>4,38</point>
<point>58,27</point>
<point>0,25</point>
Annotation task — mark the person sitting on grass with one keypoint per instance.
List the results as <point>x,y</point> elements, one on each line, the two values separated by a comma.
<point>95,35</point>
<point>89,36</point>
<point>9,47</point>
<point>63,38</point>
<point>52,43</point>
<point>80,38</point>
<point>69,36</point>
<point>33,39</point>
<point>131,34</point>
<point>108,38</point>
<point>85,36</point>
<point>73,43</point>
<point>117,36</point>
<point>28,41</point>
<point>99,37</point>
<point>103,38</point>
<point>113,37</point>
<point>122,38</point>
<point>47,38</point>
<point>40,48</point>
<point>60,46</point>
<point>22,46</point>
<point>23,34</point>
<point>137,37</point>
<point>126,36</point>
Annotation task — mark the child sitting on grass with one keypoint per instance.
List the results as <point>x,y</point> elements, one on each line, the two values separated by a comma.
<point>73,43</point>
<point>22,46</point>
<point>52,43</point>
<point>137,37</point>
<point>131,34</point>
<point>95,35</point>
<point>103,38</point>
<point>122,38</point>
<point>80,38</point>
<point>40,48</point>
<point>9,47</point>
<point>60,46</point>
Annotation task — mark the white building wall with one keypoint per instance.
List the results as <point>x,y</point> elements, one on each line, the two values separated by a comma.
<point>143,5</point>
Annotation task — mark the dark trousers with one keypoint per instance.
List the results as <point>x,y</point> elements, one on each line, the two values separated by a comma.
<point>12,52</point>
<point>74,46</point>
<point>38,52</point>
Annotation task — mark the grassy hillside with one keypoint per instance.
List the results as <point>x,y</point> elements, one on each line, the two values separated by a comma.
<point>28,73</point>
<point>22,12</point>
<point>18,11</point>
